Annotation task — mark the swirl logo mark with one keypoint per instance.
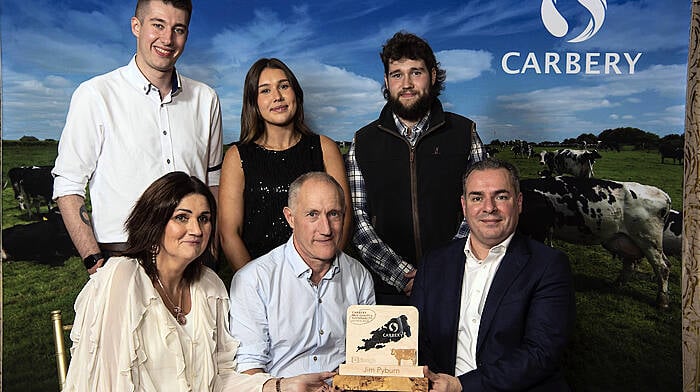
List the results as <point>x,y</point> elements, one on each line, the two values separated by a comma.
<point>557,25</point>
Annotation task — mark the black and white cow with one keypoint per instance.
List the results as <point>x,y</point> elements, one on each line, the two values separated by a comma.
<point>578,163</point>
<point>673,228</point>
<point>626,218</point>
<point>31,185</point>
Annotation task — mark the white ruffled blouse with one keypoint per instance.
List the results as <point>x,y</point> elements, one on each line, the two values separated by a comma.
<point>125,339</point>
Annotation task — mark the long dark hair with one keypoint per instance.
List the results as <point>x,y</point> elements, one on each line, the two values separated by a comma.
<point>252,123</point>
<point>146,223</point>
<point>411,46</point>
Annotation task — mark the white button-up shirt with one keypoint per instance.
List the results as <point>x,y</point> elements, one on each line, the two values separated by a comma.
<point>478,275</point>
<point>120,136</point>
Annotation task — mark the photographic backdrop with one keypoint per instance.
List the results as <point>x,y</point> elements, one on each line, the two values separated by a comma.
<point>537,72</point>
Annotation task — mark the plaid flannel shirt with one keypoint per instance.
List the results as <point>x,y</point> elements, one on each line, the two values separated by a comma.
<point>377,254</point>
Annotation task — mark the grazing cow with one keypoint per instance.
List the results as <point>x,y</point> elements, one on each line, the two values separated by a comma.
<point>578,163</point>
<point>626,218</point>
<point>673,227</point>
<point>669,151</point>
<point>522,149</point>
<point>31,184</point>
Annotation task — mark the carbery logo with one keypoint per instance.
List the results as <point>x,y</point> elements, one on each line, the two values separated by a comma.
<point>571,62</point>
<point>557,25</point>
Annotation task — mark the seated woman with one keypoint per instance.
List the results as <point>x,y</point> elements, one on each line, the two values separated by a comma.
<point>275,148</point>
<point>156,319</point>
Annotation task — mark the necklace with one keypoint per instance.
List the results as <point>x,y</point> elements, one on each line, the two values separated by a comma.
<point>295,139</point>
<point>179,315</point>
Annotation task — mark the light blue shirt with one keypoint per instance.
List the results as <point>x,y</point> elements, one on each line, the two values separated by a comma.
<point>285,324</point>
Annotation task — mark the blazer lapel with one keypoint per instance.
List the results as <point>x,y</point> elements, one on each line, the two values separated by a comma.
<point>516,257</point>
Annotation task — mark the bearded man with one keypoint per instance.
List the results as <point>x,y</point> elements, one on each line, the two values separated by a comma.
<point>405,170</point>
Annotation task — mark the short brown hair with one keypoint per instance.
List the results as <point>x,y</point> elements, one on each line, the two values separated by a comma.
<point>185,5</point>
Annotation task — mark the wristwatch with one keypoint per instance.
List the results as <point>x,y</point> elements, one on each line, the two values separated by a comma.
<point>91,260</point>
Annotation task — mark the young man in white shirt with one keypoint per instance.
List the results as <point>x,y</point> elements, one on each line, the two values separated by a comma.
<point>128,127</point>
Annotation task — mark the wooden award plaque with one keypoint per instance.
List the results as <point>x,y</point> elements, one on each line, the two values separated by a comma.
<point>381,347</point>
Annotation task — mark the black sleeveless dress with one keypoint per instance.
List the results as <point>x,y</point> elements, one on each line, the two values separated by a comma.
<point>268,175</point>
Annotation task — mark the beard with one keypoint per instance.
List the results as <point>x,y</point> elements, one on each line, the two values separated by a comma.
<point>414,112</point>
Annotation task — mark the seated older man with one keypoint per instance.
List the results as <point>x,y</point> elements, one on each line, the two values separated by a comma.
<point>288,307</point>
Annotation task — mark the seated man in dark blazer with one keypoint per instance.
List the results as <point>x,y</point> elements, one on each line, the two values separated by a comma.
<point>496,308</point>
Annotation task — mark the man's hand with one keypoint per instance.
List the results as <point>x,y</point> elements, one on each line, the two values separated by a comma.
<point>99,264</point>
<point>441,382</point>
<point>310,382</point>
<point>409,286</point>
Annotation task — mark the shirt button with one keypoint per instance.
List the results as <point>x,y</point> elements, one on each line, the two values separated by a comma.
<point>474,320</point>
<point>165,132</point>
<point>315,358</point>
<point>321,332</point>
<point>320,300</point>
<point>168,160</point>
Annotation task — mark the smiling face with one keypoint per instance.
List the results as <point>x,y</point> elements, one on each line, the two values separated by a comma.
<point>490,207</point>
<point>316,218</point>
<point>187,232</point>
<point>408,82</point>
<point>161,32</point>
<point>277,102</point>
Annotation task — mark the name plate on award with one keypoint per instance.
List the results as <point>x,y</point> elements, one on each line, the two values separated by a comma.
<point>381,340</point>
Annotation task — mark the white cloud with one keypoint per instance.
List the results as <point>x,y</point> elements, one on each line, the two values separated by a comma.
<point>463,64</point>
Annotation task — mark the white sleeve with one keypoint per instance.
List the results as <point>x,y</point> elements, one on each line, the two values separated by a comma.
<point>80,144</point>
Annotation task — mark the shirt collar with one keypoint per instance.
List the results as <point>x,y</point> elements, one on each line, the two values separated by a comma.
<point>416,129</point>
<point>498,249</point>
<point>299,266</point>
<point>138,80</point>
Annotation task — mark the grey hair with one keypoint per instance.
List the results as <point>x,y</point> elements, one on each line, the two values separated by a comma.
<point>317,175</point>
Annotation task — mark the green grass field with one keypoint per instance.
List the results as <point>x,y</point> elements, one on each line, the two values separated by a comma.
<point>621,342</point>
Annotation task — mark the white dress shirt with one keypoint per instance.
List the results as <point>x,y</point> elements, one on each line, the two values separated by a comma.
<point>287,325</point>
<point>120,137</point>
<point>478,275</point>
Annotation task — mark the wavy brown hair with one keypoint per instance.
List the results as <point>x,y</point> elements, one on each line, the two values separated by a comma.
<point>145,225</point>
<point>252,123</point>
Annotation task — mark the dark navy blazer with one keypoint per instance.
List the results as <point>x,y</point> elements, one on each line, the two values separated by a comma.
<point>526,323</point>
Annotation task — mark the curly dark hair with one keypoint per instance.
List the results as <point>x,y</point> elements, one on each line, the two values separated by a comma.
<point>149,217</point>
<point>411,46</point>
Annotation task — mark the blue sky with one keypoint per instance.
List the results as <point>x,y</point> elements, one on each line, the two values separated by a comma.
<point>49,47</point>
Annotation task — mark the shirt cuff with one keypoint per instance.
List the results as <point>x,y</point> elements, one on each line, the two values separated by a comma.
<point>64,187</point>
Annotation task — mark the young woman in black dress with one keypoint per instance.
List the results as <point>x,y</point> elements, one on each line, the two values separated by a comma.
<point>275,147</point>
